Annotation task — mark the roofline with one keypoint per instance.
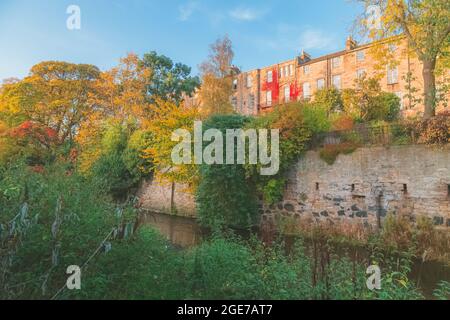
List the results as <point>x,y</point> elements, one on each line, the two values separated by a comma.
<point>332,55</point>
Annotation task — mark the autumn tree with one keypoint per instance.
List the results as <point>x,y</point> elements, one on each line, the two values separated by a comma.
<point>168,80</point>
<point>120,101</point>
<point>55,95</point>
<point>169,117</point>
<point>425,24</point>
<point>217,83</point>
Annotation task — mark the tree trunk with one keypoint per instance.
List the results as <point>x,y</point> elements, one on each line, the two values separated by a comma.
<point>429,84</point>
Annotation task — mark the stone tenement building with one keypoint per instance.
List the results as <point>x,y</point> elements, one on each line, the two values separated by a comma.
<point>298,79</point>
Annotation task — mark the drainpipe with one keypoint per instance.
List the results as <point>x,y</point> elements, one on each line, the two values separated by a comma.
<point>379,210</point>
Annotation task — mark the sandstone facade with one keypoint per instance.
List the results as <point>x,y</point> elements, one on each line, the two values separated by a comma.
<point>299,78</point>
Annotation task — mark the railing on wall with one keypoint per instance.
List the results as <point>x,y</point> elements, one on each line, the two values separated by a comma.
<point>386,134</point>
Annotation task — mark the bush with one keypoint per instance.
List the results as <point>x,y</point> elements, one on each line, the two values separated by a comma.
<point>120,165</point>
<point>62,220</point>
<point>368,103</point>
<point>295,135</point>
<point>315,117</point>
<point>331,99</point>
<point>144,266</point>
<point>225,197</point>
<point>330,152</point>
<point>435,130</point>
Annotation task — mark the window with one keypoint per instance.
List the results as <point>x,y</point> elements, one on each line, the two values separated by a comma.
<point>269,76</point>
<point>392,75</point>
<point>249,81</point>
<point>392,47</point>
<point>235,84</point>
<point>336,62</point>
<point>306,69</point>
<point>234,103</point>
<point>360,73</point>
<point>337,82</point>
<point>251,101</point>
<point>285,71</point>
<point>360,56</point>
<point>287,93</point>
<point>399,94</point>
<point>269,98</point>
<point>291,69</point>
<point>306,90</point>
<point>320,84</point>
<point>405,188</point>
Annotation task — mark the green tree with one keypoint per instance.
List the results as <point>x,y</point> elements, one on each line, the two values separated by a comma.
<point>329,98</point>
<point>426,25</point>
<point>168,80</point>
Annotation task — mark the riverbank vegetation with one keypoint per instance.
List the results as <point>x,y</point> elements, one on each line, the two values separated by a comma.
<point>75,142</point>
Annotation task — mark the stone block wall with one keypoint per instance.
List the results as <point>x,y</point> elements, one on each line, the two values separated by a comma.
<point>364,186</point>
<point>159,197</point>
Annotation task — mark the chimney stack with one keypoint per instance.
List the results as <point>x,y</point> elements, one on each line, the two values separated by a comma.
<point>304,57</point>
<point>350,44</point>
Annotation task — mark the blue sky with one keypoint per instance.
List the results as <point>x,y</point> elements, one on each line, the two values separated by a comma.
<point>263,32</point>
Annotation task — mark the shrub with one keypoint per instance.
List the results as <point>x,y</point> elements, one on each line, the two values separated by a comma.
<point>273,191</point>
<point>330,152</point>
<point>435,130</point>
<point>225,197</point>
<point>331,99</point>
<point>120,165</point>
<point>294,138</point>
<point>315,117</point>
<point>367,102</point>
<point>343,122</point>
<point>62,220</point>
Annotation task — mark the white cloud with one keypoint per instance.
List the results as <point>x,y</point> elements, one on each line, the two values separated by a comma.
<point>294,38</point>
<point>246,14</point>
<point>185,11</point>
<point>315,39</point>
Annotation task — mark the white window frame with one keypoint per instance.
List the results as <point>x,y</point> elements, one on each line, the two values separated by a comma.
<point>320,83</point>
<point>360,73</point>
<point>360,55</point>
<point>287,93</point>
<point>336,62</point>
<point>234,103</point>
<point>307,69</point>
<point>291,70</point>
<point>249,81</point>
<point>399,94</point>
<point>235,84</point>
<point>269,76</point>
<point>251,102</point>
<point>392,75</point>
<point>337,76</point>
<point>269,98</point>
<point>306,90</point>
